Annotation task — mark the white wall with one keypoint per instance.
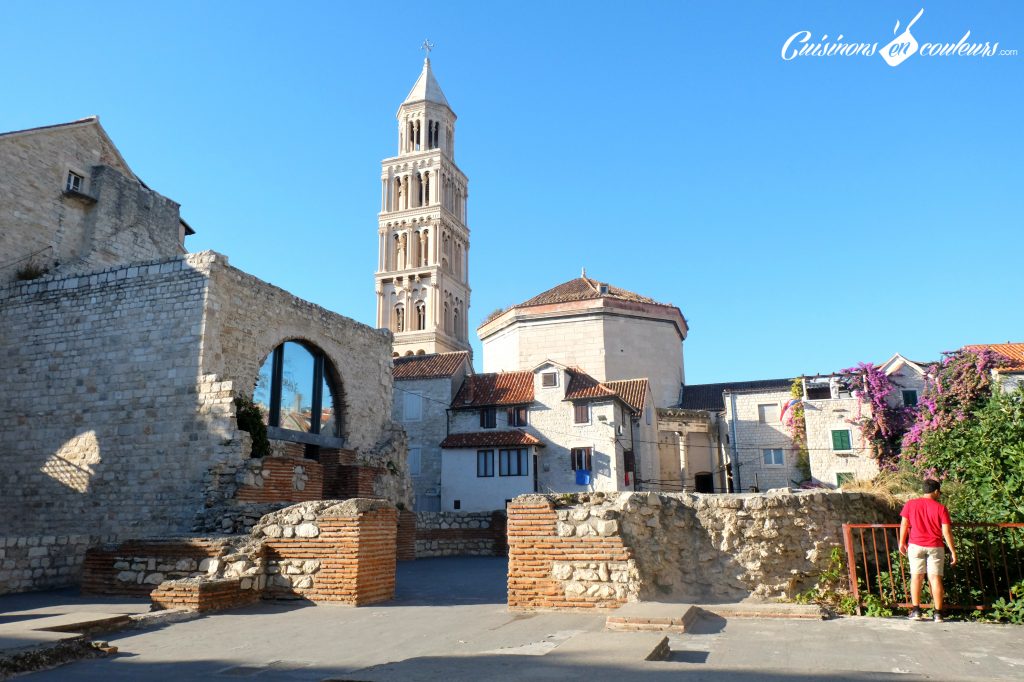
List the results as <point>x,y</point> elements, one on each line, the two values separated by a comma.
<point>460,482</point>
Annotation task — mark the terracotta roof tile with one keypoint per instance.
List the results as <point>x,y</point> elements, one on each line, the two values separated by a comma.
<point>584,289</point>
<point>429,366</point>
<point>632,391</point>
<point>583,386</point>
<point>501,388</point>
<point>490,439</point>
<point>1013,352</point>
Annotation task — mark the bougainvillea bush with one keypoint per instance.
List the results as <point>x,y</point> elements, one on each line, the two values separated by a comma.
<point>888,420</point>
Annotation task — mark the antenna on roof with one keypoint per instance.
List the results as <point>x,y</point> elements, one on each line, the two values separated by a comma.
<point>583,273</point>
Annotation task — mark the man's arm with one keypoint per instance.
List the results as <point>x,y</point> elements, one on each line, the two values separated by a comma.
<point>947,533</point>
<point>904,526</point>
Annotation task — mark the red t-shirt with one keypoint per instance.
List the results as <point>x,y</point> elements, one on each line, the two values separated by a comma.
<point>926,517</point>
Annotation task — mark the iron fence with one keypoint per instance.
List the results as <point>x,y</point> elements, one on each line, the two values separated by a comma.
<point>988,564</point>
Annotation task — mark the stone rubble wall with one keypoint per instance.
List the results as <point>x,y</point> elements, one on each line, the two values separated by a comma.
<point>460,534</point>
<point>602,550</point>
<point>324,550</point>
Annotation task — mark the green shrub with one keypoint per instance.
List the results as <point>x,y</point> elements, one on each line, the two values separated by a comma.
<point>249,417</point>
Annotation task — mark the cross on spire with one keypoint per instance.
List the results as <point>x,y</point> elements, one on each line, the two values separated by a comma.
<point>427,46</point>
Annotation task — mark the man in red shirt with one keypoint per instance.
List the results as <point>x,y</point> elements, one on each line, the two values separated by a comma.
<point>927,519</point>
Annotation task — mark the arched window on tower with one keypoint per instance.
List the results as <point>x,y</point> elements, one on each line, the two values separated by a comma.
<point>425,200</point>
<point>457,322</point>
<point>447,317</point>
<point>425,248</point>
<point>421,315</point>
<point>399,320</point>
<point>418,146</point>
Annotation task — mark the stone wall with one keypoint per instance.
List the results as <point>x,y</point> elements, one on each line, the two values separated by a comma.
<point>604,550</point>
<point>42,561</point>
<point>460,534</point>
<point>118,396</point>
<point>114,220</point>
<point>325,550</point>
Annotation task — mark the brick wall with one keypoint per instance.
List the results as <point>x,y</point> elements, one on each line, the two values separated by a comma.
<point>347,556</point>
<point>536,552</point>
<point>285,479</point>
<point>136,567</point>
<point>192,594</point>
<point>406,550</point>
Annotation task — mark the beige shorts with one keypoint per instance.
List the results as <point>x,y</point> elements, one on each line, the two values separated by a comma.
<point>932,558</point>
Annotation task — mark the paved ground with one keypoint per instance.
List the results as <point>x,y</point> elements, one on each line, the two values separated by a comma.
<point>449,622</point>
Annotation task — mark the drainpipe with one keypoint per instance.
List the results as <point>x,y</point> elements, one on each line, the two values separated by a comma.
<point>732,444</point>
<point>634,423</point>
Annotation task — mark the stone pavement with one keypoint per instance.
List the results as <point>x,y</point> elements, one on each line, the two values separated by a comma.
<point>450,622</point>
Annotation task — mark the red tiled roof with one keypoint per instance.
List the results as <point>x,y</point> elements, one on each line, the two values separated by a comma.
<point>429,366</point>
<point>1013,352</point>
<point>582,386</point>
<point>489,439</point>
<point>584,289</point>
<point>501,388</point>
<point>632,391</point>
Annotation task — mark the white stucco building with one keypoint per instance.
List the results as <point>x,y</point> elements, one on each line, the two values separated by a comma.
<point>608,332</point>
<point>422,278</point>
<point>549,429</point>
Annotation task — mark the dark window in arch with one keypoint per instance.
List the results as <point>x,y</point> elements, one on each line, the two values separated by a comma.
<point>294,389</point>
<point>704,482</point>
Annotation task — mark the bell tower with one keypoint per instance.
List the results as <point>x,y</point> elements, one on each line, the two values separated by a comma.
<point>422,278</point>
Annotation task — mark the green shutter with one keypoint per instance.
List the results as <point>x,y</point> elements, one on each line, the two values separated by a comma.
<point>841,439</point>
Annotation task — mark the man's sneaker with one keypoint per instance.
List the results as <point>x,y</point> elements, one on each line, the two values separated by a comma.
<point>915,614</point>
<point>937,617</point>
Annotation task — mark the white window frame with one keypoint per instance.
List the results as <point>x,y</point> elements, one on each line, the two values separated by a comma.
<point>764,457</point>
<point>553,374</point>
<point>68,185</point>
<point>411,398</point>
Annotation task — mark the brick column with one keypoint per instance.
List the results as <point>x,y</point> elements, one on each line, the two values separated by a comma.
<point>406,544</point>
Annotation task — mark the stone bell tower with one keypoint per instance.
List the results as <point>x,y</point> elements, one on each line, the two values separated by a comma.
<point>422,277</point>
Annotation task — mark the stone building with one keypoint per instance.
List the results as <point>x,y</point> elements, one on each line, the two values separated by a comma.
<point>422,279</point>
<point>608,332</point>
<point>69,203</point>
<point>120,367</point>
<point>425,386</point>
<point>729,437</point>
<point>837,450</point>
<point>552,429</point>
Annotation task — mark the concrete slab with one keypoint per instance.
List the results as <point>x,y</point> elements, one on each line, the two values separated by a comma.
<point>650,616</point>
<point>765,610</point>
<point>590,648</point>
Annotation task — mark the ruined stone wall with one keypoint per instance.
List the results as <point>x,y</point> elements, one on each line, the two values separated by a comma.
<point>607,549</point>
<point>460,534</point>
<point>118,397</point>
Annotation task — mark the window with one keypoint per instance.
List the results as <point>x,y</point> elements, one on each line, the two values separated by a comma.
<point>414,461</point>
<point>74,183</point>
<point>628,460</point>
<point>514,462</point>
<point>484,463</point>
<point>768,413</point>
<point>909,398</point>
<point>648,413</point>
<point>773,457</point>
<point>549,379</point>
<point>818,391</point>
<point>421,315</point>
<point>582,413</point>
<point>517,416</point>
<point>488,418</point>
<point>457,504</point>
<point>412,404</point>
<point>840,439</point>
<point>294,392</point>
<point>843,477</point>
<point>582,459</point>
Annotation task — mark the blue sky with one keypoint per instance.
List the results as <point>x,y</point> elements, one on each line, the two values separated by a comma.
<point>804,214</point>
